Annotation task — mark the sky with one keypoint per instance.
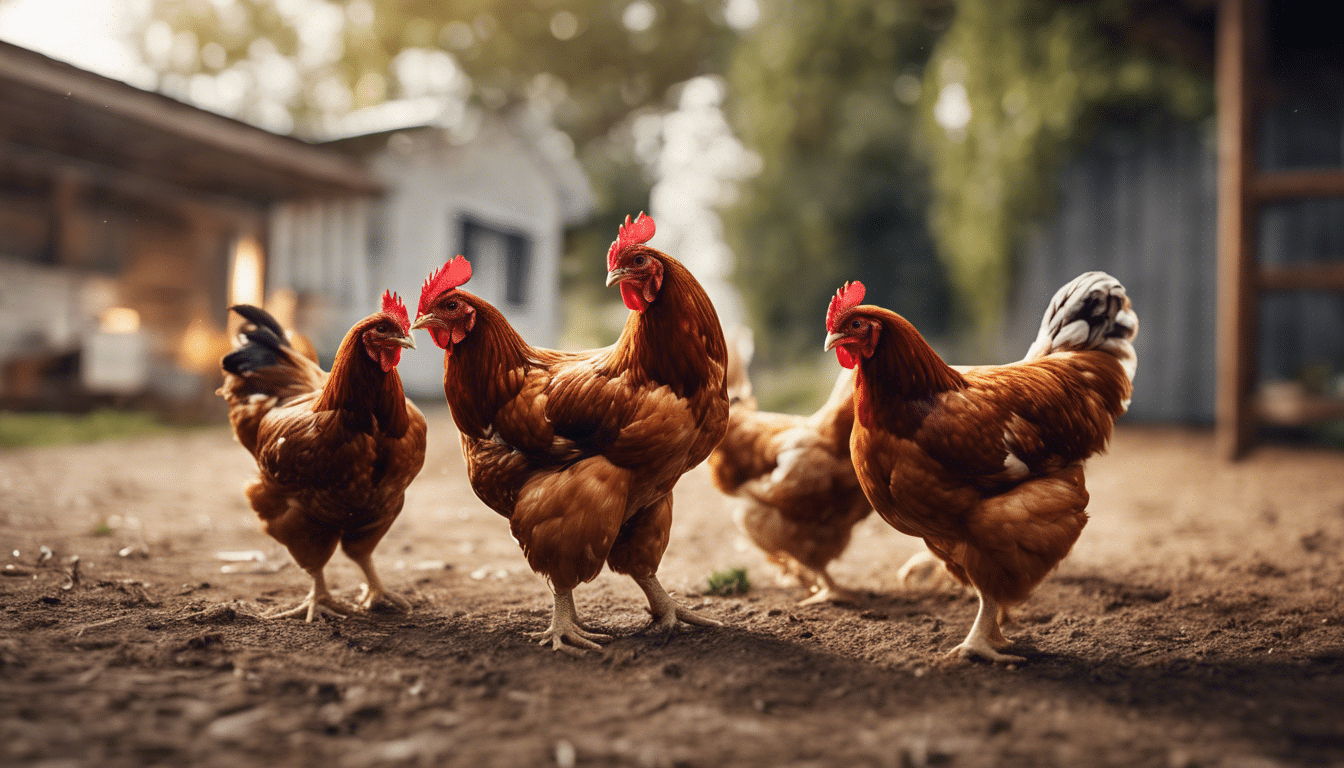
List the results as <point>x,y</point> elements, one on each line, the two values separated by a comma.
<point>91,34</point>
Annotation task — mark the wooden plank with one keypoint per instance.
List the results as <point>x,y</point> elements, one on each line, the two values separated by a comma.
<point>1302,277</point>
<point>1287,407</point>
<point>1290,185</point>
<point>1238,44</point>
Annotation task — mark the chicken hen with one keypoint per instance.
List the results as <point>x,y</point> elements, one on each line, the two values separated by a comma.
<point>798,496</point>
<point>335,452</point>
<point>987,465</point>
<point>580,451</point>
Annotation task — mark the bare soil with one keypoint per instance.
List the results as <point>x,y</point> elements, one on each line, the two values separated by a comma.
<point>1199,622</point>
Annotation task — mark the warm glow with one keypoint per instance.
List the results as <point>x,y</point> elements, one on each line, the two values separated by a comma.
<point>201,347</point>
<point>245,279</point>
<point>119,320</point>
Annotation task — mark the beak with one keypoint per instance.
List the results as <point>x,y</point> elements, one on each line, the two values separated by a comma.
<point>617,275</point>
<point>420,322</point>
<point>832,340</point>
<point>406,341</point>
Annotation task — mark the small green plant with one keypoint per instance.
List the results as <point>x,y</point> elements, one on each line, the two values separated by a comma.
<point>728,583</point>
<point>101,528</point>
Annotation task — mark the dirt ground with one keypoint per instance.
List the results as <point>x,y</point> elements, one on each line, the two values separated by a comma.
<point>1198,622</point>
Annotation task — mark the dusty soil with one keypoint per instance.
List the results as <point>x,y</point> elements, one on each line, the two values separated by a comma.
<point>1199,622</point>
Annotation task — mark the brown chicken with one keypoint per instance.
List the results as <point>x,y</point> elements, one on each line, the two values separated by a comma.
<point>987,465</point>
<point>335,452</point>
<point>799,498</point>
<point>580,451</point>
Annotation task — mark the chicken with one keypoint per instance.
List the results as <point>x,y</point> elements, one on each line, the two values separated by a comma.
<point>580,451</point>
<point>799,498</point>
<point>987,466</point>
<point>335,452</point>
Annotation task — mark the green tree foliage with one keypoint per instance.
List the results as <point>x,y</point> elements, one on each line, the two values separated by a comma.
<point>1012,87</point>
<point>604,60</point>
<point>824,91</point>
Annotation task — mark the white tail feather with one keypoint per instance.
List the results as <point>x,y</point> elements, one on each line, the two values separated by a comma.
<point>1091,311</point>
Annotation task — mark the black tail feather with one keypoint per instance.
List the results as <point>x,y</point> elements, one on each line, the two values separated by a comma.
<point>264,338</point>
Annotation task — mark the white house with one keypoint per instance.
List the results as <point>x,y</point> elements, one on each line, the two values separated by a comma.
<point>497,188</point>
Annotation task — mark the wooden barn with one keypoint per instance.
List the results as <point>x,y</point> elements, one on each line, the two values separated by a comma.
<point>128,223</point>
<point>1228,236</point>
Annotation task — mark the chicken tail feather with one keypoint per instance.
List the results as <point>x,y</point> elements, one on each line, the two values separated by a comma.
<point>1090,312</point>
<point>741,348</point>
<point>266,360</point>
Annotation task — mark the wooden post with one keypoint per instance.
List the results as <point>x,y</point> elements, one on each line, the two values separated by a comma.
<point>1240,37</point>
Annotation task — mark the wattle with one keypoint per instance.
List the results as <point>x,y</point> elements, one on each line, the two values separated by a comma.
<point>847,358</point>
<point>632,298</point>
<point>442,337</point>
<point>388,358</point>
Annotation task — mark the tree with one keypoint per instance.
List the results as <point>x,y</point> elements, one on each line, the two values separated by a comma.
<point>825,92</point>
<point>1012,89</point>
<point>603,57</point>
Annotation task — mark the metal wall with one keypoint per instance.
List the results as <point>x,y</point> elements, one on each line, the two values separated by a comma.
<point>1139,202</point>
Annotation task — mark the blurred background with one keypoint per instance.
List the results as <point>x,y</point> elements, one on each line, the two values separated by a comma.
<point>162,159</point>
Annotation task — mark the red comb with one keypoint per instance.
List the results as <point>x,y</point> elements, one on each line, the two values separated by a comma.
<point>392,305</point>
<point>445,278</point>
<point>845,299</point>
<point>631,234</point>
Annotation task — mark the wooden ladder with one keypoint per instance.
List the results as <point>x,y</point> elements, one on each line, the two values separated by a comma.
<point>1242,190</point>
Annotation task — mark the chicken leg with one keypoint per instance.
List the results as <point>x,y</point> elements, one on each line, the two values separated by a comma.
<point>373,593</point>
<point>985,635</point>
<point>668,615</point>
<point>565,627</point>
<point>319,602</point>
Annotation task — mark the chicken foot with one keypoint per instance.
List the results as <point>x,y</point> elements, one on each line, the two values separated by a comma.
<point>319,602</point>
<point>668,614</point>
<point>829,592</point>
<point>985,636</point>
<point>565,629</point>
<point>373,593</point>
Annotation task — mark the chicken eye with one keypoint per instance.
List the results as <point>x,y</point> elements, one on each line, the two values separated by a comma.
<point>451,306</point>
<point>639,261</point>
<point>856,324</point>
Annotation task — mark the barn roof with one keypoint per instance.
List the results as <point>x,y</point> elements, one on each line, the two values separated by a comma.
<point>53,114</point>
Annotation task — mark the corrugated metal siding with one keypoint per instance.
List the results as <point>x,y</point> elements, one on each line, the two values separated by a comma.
<point>1140,203</point>
<point>1303,331</point>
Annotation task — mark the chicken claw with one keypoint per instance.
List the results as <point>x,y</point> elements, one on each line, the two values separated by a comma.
<point>372,592</point>
<point>668,615</point>
<point>376,597</point>
<point>984,636</point>
<point>565,634</point>
<point>319,602</point>
<point>969,650</point>
<point>831,594</point>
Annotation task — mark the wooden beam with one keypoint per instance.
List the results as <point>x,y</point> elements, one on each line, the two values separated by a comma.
<point>1240,30</point>
<point>1290,185</point>
<point>249,143</point>
<point>1303,277</point>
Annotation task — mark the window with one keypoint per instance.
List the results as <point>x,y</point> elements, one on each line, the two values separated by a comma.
<point>502,255</point>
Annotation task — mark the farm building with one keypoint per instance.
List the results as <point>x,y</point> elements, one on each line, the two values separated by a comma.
<point>496,188</point>
<point>129,222</point>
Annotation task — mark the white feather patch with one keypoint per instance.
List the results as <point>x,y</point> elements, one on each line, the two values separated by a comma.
<point>1013,467</point>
